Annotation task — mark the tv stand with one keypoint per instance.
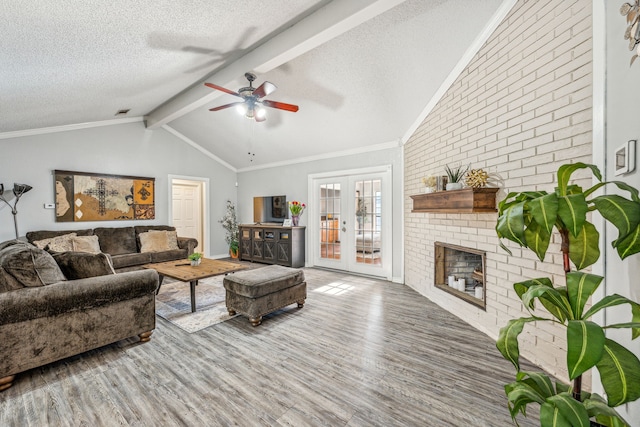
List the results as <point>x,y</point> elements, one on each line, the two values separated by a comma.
<point>272,244</point>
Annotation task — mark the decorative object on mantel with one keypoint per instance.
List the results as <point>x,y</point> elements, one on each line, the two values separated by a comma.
<point>528,218</point>
<point>476,178</point>
<point>83,196</point>
<point>230,225</point>
<point>296,208</point>
<point>455,176</point>
<point>467,200</point>
<point>18,191</point>
<point>632,33</point>
<point>429,184</point>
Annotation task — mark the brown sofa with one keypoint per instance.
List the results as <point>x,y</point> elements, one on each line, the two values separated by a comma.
<point>53,307</point>
<point>123,244</point>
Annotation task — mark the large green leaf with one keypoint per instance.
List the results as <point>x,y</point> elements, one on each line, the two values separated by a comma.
<point>620,374</point>
<point>565,171</point>
<point>624,186</point>
<point>630,244</point>
<point>519,395</point>
<point>549,304</point>
<point>572,410</point>
<point>511,224</point>
<point>550,416</point>
<point>545,211</point>
<point>537,239</point>
<point>553,296</point>
<point>572,210</point>
<point>622,213</point>
<point>584,249</point>
<point>580,287</point>
<point>505,203</point>
<point>608,301</point>
<point>540,382</point>
<point>603,413</point>
<point>507,342</point>
<point>585,344</point>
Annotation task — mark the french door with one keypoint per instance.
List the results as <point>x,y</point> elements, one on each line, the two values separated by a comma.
<point>352,222</point>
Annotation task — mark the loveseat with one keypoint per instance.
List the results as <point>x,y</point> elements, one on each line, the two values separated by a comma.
<point>129,247</point>
<point>57,306</point>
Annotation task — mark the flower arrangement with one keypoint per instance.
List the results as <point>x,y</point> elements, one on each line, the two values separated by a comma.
<point>230,224</point>
<point>296,208</point>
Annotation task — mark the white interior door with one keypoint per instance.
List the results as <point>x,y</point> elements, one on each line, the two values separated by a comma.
<point>352,222</point>
<point>187,210</point>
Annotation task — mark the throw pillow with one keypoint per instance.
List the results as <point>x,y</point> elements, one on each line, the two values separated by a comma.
<point>28,265</point>
<point>76,265</point>
<point>172,240</point>
<point>153,241</point>
<point>60,243</point>
<point>86,244</point>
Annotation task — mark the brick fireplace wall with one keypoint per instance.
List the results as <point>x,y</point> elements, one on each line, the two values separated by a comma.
<point>520,109</point>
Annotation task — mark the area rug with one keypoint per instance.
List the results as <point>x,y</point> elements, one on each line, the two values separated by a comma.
<point>173,303</point>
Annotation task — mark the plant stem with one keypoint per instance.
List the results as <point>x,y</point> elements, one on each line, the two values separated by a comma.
<point>564,247</point>
<point>577,388</point>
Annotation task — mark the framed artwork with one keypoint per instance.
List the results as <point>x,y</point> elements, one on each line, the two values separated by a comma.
<point>287,222</point>
<point>85,196</point>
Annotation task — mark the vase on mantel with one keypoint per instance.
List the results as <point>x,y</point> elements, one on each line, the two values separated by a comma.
<point>295,219</point>
<point>454,186</point>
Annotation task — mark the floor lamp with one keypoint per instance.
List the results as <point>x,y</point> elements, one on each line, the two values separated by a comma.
<point>18,191</point>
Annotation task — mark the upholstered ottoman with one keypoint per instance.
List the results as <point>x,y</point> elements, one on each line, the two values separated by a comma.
<point>261,291</point>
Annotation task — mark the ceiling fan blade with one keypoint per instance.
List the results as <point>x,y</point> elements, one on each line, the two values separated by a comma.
<point>230,92</point>
<point>280,105</point>
<point>264,89</point>
<point>222,107</point>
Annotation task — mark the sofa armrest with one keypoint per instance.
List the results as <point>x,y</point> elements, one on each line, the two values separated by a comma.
<point>75,295</point>
<point>188,243</point>
<point>81,265</point>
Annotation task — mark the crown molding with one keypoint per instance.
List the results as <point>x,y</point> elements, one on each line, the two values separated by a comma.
<point>66,128</point>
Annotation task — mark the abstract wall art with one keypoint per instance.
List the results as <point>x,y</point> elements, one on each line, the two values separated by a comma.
<point>84,196</point>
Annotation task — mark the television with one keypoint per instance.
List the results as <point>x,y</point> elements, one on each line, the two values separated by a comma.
<point>270,209</point>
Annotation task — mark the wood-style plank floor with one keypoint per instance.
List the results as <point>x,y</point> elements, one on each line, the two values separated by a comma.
<point>362,352</point>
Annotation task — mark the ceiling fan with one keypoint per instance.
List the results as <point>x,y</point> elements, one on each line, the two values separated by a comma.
<point>252,102</point>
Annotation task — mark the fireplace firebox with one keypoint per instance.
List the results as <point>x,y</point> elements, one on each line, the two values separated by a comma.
<point>460,271</point>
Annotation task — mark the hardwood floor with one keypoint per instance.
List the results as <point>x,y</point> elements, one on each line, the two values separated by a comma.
<point>362,352</point>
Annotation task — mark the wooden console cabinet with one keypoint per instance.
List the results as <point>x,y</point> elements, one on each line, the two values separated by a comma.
<point>272,244</point>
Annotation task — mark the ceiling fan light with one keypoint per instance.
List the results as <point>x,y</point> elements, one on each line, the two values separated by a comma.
<point>242,109</point>
<point>261,113</point>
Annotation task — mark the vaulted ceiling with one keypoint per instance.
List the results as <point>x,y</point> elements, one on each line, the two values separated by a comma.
<point>361,71</point>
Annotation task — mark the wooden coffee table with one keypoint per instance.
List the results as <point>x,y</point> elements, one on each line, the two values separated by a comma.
<point>185,272</point>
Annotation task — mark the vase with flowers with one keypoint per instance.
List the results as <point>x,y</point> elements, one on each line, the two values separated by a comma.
<point>296,208</point>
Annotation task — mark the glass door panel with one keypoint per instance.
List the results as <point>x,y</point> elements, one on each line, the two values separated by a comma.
<point>330,202</point>
<point>368,209</point>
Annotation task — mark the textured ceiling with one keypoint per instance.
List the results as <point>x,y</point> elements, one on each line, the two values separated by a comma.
<point>68,62</point>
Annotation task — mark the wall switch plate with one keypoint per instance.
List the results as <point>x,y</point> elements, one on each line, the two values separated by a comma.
<point>625,158</point>
<point>49,205</point>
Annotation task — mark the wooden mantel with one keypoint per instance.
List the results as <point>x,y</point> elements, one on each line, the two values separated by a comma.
<point>467,200</point>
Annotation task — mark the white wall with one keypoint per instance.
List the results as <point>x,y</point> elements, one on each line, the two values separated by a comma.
<point>125,149</point>
<point>622,124</point>
<point>292,180</point>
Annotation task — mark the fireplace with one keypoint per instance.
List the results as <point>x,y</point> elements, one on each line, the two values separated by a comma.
<point>460,271</point>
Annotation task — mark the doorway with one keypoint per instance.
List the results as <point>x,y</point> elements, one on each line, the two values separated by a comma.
<point>188,197</point>
<point>350,225</point>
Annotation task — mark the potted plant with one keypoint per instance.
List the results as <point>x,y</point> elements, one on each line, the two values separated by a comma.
<point>195,258</point>
<point>454,177</point>
<point>233,249</point>
<point>528,219</point>
<point>429,184</point>
<point>230,225</point>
